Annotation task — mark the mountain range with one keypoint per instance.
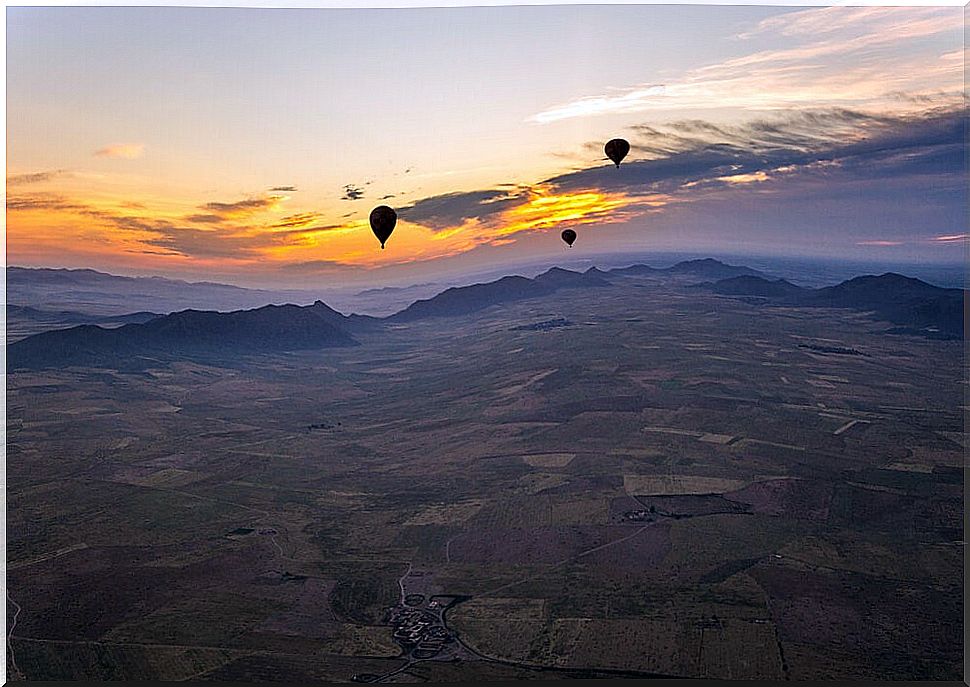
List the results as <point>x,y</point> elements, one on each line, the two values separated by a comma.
<point>463,300</point>
<point>915,306</point>
<point>188,333</point>
<point>102,294</point>
<point>22,320</point>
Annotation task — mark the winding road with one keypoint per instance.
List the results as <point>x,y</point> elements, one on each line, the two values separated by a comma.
<point>13,626</point>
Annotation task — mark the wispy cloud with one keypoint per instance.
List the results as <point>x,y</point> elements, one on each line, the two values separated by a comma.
<point>875,24</point>
<point>283,189</point>
<point>216,212</point>
<point>227,231</point>
<point>352,192</point>
<point>819,144</point>
<point>34,177</point>
<point>895,58</point>
<point>303,219</point>
<point>123,151</point>
<point>448,210</point>
<point>826,153</point>
<point>635,99</point>
<point>908,167</point>
<point>43,201</point>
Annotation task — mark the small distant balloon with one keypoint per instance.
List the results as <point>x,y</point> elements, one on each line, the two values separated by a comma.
<point>568,235</point>
<point>616,150</point>
<point>382,221</point>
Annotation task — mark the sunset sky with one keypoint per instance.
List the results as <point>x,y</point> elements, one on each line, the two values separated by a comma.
<point>249,146</point>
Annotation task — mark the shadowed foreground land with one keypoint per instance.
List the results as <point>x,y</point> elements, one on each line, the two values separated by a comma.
<point>655,480</point>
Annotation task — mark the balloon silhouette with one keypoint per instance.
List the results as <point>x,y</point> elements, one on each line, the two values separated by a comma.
<point>568,235</point>
<point>616,150</point>
<point>382,221</point>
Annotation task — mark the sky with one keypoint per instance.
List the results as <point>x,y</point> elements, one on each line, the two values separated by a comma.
<point>250,145</point>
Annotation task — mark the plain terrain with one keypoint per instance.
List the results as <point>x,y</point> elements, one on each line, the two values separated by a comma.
<point>656,480</point>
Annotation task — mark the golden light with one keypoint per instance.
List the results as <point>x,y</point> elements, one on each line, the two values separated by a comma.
<point>544,209</point>
<point>147,231</point>
<point>751,178</point>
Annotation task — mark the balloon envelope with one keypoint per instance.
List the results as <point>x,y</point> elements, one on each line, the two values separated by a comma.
<point>616,150</point>
<point>568,235</point>
<point>382,221</point>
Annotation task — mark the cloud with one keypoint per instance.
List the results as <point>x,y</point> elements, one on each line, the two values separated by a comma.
<point>352,192</point>
<point>303,219</point>
<point>751,178</point>
<point>223,238</point>
<point>820,144</point>
<point>43,201</point>
<point>874,179</point>
<point>204,219</point>
<point>247,206</point>
<point>837,159</point>
<point>204,243</point>
<point>450,209</point>
<point>34,177</point>
<point>123,151</point>
<point>896,57</point>
<point>238,242</point>
<point>216,212</point>
<point>284,189</point>
<point>633,99</point>
<point>869,24</point>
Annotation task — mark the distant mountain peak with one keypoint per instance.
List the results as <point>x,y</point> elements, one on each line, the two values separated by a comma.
<point>919,307</point>
<point>751,285</point>
<point>463,300</point>
<point>705,268</point>
<point>187,333</point>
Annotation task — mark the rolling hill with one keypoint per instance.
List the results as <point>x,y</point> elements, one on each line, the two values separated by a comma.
<point>704,268</point>
<point>187,333</point>
<point>23,321</point>
<point>914,305</point>
<point>747,285</point>
<point>463,300</point>
<point>98,293</point>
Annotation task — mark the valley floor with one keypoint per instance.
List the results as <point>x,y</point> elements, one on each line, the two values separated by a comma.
<point>654,481</point>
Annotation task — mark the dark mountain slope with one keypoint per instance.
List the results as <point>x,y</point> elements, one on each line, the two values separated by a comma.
<point>271,328</point>
<point>558,278</point>
<point>463,300</point>
<point>752,286</point>
<point>914,305</point>
<point>709,268</point>
<point>40,316</point>
<point>23,321</point>
<point>706,268</point>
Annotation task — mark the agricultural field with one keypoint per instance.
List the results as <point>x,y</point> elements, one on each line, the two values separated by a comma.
<point>669,485</point>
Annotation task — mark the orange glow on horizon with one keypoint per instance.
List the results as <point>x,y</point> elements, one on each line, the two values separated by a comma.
<point>263,231</point>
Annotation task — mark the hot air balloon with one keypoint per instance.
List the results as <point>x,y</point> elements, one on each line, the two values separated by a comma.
<point>568,235</point>
<point>616,150</point>
<point>382,221</point>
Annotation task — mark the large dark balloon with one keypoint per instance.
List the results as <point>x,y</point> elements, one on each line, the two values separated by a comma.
<point>616,150</point>
<point>568,235</point>
<point>382,221</point>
